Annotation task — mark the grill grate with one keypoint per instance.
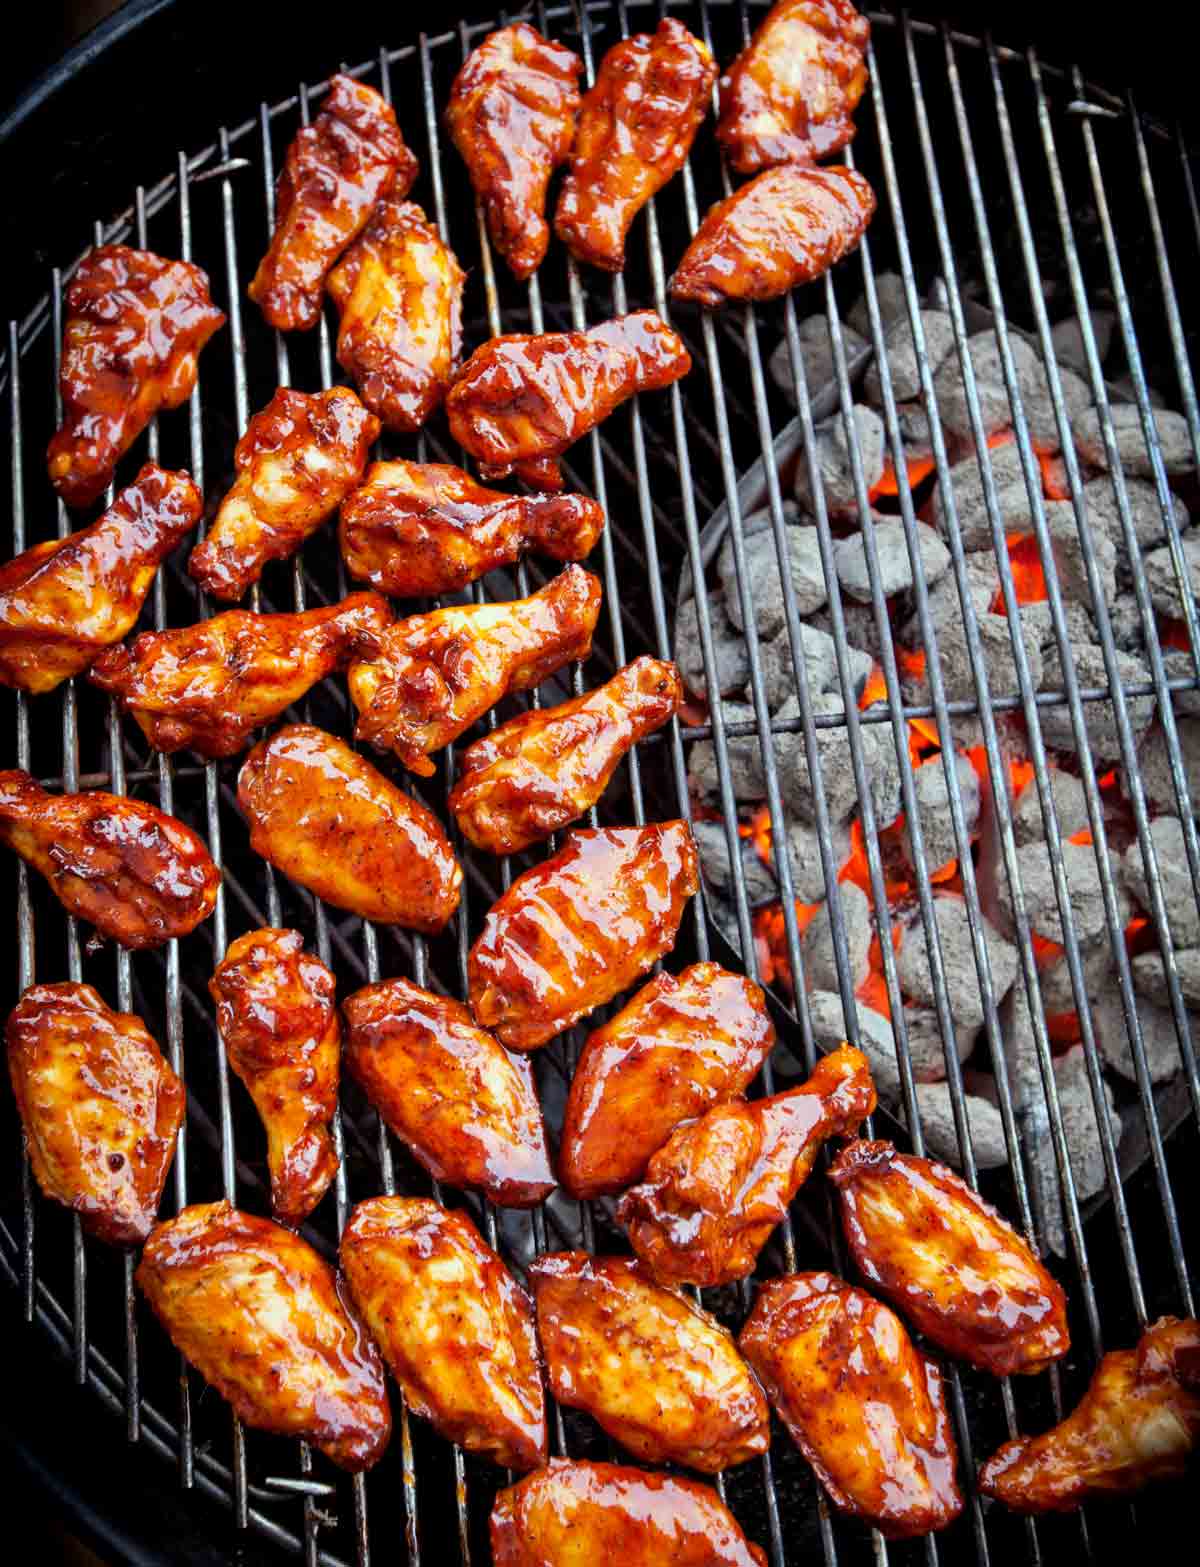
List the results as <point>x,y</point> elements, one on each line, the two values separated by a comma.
<point>989,166</point>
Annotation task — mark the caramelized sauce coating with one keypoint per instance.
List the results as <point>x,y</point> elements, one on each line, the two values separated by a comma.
<point>681,1046</point>
<point>135,873</point>
<point>421,682</point>
<point>658,1374</point>
<point>790,96</point>
<point>324,816</point>
<point>784,228</point>
<point>636,129</point>
<point>100,1106</point>
<point>575,931</point>
<point>209,686</point>
<point>948,1261</point>
<point>544,768</point>
<point>419,530</point>
<point>468,1110</point>
<point>63,602</point>
<point>862,1404</point>
<point>279,1022</point>
<point>298,460</point>
<point>135,327</point>
<point>718,1187</point>
<point>261,1317</point>
<point>512,117</point>
<point>455,1328</point>
<point>335,171</point>
<point>520,401</point>
<point>398,290</point>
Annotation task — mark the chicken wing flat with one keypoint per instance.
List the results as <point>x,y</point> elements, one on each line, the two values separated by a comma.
<point>571,1513</point>
<point>863,1405</point>
<point>260,1315</point>
<point>790,96</point>
<point>398,290</point>
<point>520,401</point>
<point>718,1187</point>
<point>424,680</point>
<point>100,1106</point>
<point>575,931</point>
<point>135,327</point>
<point>298,460</point>
<point>135,873</point>
<point>1138,1421</point>
<point>658,1374</point>
<point>324,816</point>
<point>467,1109</point>
<point>945,1258</point>
<point>335,171</point>
<point>279,1022</point>
<point>455,1327</point>
<point>680,1047</point>
<point>511,115</point>
<point>543,769</point>
<point>63,602</point>
<point>784,228</point>
<point>636,128</point>
<point>418,530</point>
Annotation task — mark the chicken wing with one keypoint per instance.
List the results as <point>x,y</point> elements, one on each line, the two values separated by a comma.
<point>126,867</point>
<point>512,117</point>
<point>324,816</point>
<point>298,460</point>
<point>335,171</point>
<point>948,1261</point>
<point>424,680</point>
<point>520,401</point>
<point>658,1374</point>
<point>455,1328</point>
<point>680,1047</point>
<point>784,228</point>
<point>1138,1421</point>
<point>862,1404</point>
<point>790,96</point>
<point>417,530</point>
<point>467,1109</point>
<point>260,1315</point>
<point>100,1106</point>
<point>398,291</point>
<point>279,1022</point>
<point>63,602</point>
<point>636,128</point>
<point>718,1187</point>
<point>568,1514</point>
<point>135,327</point>
<point>575,931</point>
<point>543,769</point>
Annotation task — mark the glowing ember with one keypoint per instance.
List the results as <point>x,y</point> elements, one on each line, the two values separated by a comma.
<point>1173,633</point>
<point>1084,835</point>
<point>917,469</point>
<point>875,689</point>
<point>1054,475</point>
<point>1029,580</point>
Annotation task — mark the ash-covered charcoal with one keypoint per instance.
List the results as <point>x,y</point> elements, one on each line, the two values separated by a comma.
<point>1012,498</point>
<point>1124,617</point>
<point>1154,767</point>
<point>1174,877</point>
<point>925,1047</point>
<point>876,1039</point>
<point>764,587</point>
<point>1067,339</point>
<point>1081,1128</point>
<point>730,653</point>
<point>935,1108</point>
<point>833,762</point>
<point>820,662</point>
<point>895,566</point>
<point>1149,525</point>
<point>817,352</point>
<point>994,407</point>
<point>1041,906</point>
<point>902,356</point>
<point>1067,546</point>
<point>916,432</point>
<point>889,295</point>
<point>745,761</point>
<point>1077,618</point>
<point>1173,438</point>
<point>1161,580</point>
<point>1070,805</point>
<point>820,966</point>
<point>1150,977</point>
<point>1124,390</point>
<point>995,642</point>
<point>883,771</point>
<point>933,807</point>
<point>804,856</point>
<point>1099,716</point>
<point>1177,665</point>
<point>861,627</point>
<point>834,464</point>
<point>1038,405</point>
<point>714,860</point>
<point>958,960</point>
<point>945,606</point>
<point>1161,1042</point>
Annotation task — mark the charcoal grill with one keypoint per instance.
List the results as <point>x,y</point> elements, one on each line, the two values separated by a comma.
<point>991,168</point>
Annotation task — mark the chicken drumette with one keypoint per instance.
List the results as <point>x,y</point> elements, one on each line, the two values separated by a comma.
<point>424,680</point>
<point>324,816</point>
<point>132,871</point>
<point>135,327</point>
<point>512,117</point>
<point>520,401</point>
<point>335,171</point>
<point>418,530</point>
<point>63,602</point>
<point>636,128</point>
<point>100,1106</point>
<point>298,460</point>
<point>279,1022</point>
<point>399,292</point>
<point>578,929</point>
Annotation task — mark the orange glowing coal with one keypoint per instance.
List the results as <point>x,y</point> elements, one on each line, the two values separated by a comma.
<point>916,469</point>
